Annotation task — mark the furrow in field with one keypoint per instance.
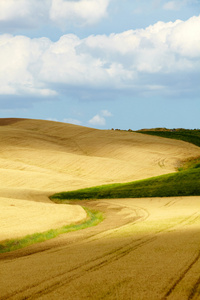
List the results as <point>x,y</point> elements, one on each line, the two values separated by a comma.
<point>181,277</point>
<point>195,291</point>
<point>66,278</point>
<point>144,249</point>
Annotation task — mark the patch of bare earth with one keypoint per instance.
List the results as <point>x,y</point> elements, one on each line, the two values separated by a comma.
<point>144,249</point>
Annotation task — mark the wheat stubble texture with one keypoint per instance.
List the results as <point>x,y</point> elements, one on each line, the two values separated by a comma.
<point>144,249</point>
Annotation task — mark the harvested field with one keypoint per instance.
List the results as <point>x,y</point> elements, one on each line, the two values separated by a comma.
<point>144,249</point>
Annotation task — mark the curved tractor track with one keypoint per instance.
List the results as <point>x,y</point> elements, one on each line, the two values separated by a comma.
<point>144,249</point>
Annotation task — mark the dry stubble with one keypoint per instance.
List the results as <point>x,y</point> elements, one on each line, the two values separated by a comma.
<point>144,249</point>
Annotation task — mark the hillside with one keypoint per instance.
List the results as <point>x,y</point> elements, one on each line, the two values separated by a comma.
<point>39,158</point>
<point>145,248</point>
<point>187,135</point>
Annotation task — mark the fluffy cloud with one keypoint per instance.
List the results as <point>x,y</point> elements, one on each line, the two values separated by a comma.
<point>100,119</point>
<point>32,13</point>
<point>23,14</point>
<point>135,59</point>
<point>158,58</point>
<point>19,65</point>
<point>83,12</point>
<point>163,47</point>
<point>11,9</point>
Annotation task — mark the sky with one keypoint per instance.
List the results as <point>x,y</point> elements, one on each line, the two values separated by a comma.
<point>122,64</point>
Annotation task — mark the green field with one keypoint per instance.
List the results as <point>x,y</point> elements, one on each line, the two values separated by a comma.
<point>187,135</point>
<point>186,182</point>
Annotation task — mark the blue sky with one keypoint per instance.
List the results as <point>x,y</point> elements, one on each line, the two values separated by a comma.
<point>101,63</point>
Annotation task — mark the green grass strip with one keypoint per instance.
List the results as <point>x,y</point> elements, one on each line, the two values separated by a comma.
<point>187,135</point>
<point>94,218</point>
<point>183,183</point>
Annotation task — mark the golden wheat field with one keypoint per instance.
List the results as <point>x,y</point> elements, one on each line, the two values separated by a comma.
<point>144,248</point>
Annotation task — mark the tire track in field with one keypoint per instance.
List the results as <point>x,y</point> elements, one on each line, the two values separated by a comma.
<point>180,278</point>
<point>63,279</point>
<point>37,290</point>
<point>191,219</point>
<point>140,213</point>
<point>20,293</point>
<point>194,290</point>
<point>117,254</point>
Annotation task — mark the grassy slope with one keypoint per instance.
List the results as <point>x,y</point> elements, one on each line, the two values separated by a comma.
<point>184,183</point>
<point>94,218</point>
<point>187,135</point>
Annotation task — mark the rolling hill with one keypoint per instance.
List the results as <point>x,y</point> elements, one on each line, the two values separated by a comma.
<point>145,248</point>
<point>39,158</point>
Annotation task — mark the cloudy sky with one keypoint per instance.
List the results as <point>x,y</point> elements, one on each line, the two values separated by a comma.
<point>101,63</point>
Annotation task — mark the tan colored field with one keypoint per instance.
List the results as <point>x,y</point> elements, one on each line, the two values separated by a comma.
<point>144,249</point>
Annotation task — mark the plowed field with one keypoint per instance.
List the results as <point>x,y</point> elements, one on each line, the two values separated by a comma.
<point>144,249</point>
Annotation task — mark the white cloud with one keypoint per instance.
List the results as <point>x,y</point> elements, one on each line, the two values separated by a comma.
<point>32,13</point>
<point>10,9</point>
<point>83,12</point>
<point>98,121</point>
<point>185,39</point>
<point>133,60</point>
<point>23,13</point>
<point>19,65</point>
